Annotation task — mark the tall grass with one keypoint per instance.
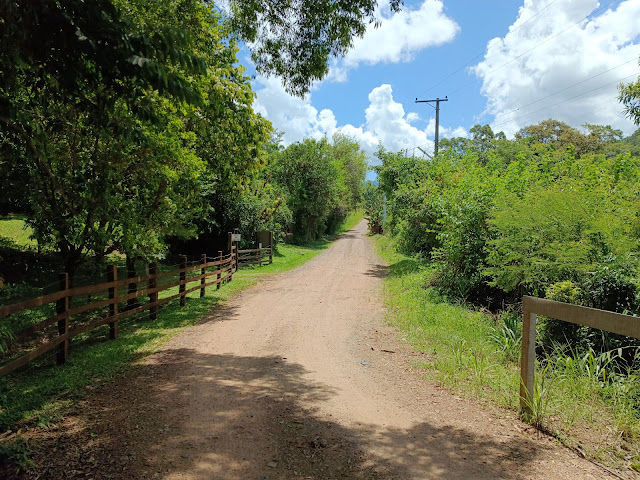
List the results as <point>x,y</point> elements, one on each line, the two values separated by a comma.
<point>586,400</point>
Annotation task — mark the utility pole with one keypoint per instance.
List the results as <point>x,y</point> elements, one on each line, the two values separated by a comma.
<point>437,100</point>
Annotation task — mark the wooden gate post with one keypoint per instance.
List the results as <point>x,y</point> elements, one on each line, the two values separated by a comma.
<point>203,271</point>
<point>183,280</point>
<point>112,276</point>
<point>153,296</point>
<point>62,307</point>
<point>271,247</point>
<point>219,269</point>
<point>527,361</point>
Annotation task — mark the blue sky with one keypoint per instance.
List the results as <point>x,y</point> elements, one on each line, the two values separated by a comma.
<point>502,62</point>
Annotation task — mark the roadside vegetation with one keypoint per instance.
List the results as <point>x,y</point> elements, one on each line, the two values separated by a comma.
<point>552,213</point>
<point>587,400</point>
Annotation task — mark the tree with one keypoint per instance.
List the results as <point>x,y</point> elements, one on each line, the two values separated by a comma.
<point>352,160</point>
<point>296,40</point>
<point>630,96</point>
<point>309,178</point>
<point>113,157</point>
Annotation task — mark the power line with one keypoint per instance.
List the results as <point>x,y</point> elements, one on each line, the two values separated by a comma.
<point>566,88</point>
<point>497,41</point>
<point>482,77</point>
<point>567,99</point>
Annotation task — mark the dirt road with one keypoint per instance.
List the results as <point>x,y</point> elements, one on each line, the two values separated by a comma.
<point>297,378</point>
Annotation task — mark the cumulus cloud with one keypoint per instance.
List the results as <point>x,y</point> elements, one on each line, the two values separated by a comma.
<point>398,37</point>
<point>543,69</point>
<point>385,123</point>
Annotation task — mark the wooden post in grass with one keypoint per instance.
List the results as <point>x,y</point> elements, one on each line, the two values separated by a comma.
<point>219,270</point>
<point>62,308</point>
<point>231,263</point>
<point>527,361</point>
<point>270,247</point>
<point>203,271</point>
<point>153,296</point>
<point>183,280</point>
<point>133,286</point>
<point>112,276</point>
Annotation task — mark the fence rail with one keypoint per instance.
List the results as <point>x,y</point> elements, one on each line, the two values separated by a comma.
<point>109,296</point>
<point>255,256</point>
<point>589,317</point>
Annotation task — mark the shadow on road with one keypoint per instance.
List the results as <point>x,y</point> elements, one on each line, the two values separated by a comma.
<point>194,415</point>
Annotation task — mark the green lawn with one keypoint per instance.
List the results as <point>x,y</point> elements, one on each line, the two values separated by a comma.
<point>15,232</point>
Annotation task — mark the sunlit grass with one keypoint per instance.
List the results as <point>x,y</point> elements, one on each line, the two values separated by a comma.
<point>465,355</point>
<point>14,230</point>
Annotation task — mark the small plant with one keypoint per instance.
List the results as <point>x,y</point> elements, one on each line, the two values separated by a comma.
<point>536,404</point>
<point>458,353</point>
<point>479,364</point>
<point>508,336</point>
<point>16,452</point>
<point>598,368</point>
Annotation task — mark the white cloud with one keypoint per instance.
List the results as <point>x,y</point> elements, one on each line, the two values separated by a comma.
<point>531,63</point>
<point>398,38</point>
<point>412,117</point>
<point>386,122</point>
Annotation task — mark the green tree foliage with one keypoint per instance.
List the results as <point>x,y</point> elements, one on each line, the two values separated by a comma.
<point>321,183</point>
<point>373,204</point>
<point>296,40</point>
<point>630,97</point>
<point>501,218</point>
<point>112,146</point>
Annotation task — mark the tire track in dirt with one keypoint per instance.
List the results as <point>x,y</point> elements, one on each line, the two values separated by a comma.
<point>273,386</point>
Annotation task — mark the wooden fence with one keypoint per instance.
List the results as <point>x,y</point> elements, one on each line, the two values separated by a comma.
<point>590,317</point>
<point>255,256</point>
<point>108,294</point>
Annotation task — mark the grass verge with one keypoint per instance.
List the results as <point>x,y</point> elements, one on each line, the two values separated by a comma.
<point>476,355</point>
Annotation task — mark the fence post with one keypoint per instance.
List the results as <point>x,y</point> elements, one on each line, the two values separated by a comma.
<point>133,287</point>
<point>203,271</point>
<point>527,361</point>
<point>183,280</point>
<point>112,276</point>
<point>231,264</point>
<point>271,247</point>
<point>62,307</point>
<point>153,296</point>
<point>219,269</point>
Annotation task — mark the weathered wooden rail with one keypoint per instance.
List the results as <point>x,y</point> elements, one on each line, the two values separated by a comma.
<point>590,317</point>
<point>107,294</point>
<point>255,256</point>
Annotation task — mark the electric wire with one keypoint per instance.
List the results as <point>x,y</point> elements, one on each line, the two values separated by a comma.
<point>497,41</point>
<point>567,99</point>
<point>564,89</point>
<point>482,77</point>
